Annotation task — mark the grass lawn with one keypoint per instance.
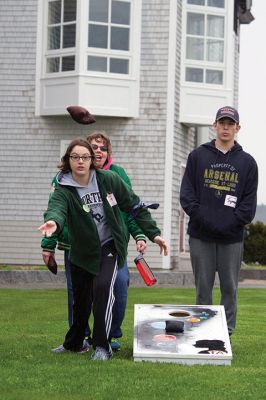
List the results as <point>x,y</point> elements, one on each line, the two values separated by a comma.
<point>34,321</point>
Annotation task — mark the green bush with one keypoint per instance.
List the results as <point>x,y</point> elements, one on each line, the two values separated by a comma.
<point>255,243</point>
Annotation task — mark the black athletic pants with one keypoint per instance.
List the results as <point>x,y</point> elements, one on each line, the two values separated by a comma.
<point>93,292</point>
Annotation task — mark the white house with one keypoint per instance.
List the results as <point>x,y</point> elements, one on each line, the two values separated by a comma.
<point>152,72</point>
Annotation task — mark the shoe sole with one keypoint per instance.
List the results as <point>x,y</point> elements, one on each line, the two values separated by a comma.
<point>116,350</point>
<point>101,359</point>
<point>82,351</point>
<point>69,351</point>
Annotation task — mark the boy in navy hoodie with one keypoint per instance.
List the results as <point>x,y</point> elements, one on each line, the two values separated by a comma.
<point>218,192</point>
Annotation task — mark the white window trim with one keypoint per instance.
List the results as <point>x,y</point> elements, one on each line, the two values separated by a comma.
<point>199,100</point>
<point>82,32</point>
<point>81,79</point>
<point>111,53</point>
<point>199,63</point>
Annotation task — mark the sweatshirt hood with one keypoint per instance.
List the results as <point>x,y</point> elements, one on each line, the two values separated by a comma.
<point>218,153</point>
<point>66,179</point>
<point>211,146</point>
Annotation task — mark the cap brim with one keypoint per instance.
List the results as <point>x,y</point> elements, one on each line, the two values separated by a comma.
<point>227,116</point>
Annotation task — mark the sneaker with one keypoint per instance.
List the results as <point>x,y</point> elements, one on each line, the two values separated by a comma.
<point>101,354</point>
<point>115,345</point>
<point>85,347</point>
<point>59,349</point>
<point>88,339</point>
<point>62,349</point>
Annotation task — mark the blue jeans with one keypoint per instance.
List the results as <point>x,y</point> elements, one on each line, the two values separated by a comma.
<point>70,298</point>
<point>119,308</point>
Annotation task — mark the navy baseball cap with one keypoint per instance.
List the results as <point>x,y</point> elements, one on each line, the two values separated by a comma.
<point>227,112</point>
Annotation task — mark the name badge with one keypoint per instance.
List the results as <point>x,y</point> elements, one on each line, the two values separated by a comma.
<point>230,201</point>
<point>111,199</point>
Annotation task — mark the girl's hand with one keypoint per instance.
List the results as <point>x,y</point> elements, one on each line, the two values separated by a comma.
<point>141,246</point>
<point>48,228</point>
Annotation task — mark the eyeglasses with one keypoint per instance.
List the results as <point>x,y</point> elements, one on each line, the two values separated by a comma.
<point>76,158</point>
<point>96,147</point>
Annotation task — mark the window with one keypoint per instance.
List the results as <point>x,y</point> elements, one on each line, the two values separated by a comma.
<point>88,52</point>
<point>61,36</point>
<point>209,3</point>
<point>208,59</point>
<point>205,37</point>
<point>109,36</point>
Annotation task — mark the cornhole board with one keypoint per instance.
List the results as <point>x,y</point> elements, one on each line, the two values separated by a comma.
<point>204,339</point>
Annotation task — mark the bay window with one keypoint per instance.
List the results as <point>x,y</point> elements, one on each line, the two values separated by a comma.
<point>88,53</point>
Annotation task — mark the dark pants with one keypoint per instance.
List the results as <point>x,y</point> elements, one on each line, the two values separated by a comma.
<point>69,287</point>
<point>70,299</point>
<point>93,292</point>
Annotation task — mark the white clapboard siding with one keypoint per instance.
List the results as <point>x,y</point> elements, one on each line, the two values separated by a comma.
<point>30,145</point>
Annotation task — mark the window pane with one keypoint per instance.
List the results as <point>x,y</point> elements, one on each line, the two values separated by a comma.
<point>194,75</point>
<point>216,3</point>
<point>195,49</point>
<point>68,63</point>
<point>214,77</point>
<point>69,10</point>
<point>54,12</point>
<point>195,24</point>
<point>120,38</point>
<point>119,66</point>
<point>97,64</point>
<point>98,10</point>
<point>53,38</point>
<point>53,64</point>
<point>215,50</point>
<point>69,36</point>
<point>98,36</point>
<point>196,2</point>
<point>120,12</point>
<point>215,26</point>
